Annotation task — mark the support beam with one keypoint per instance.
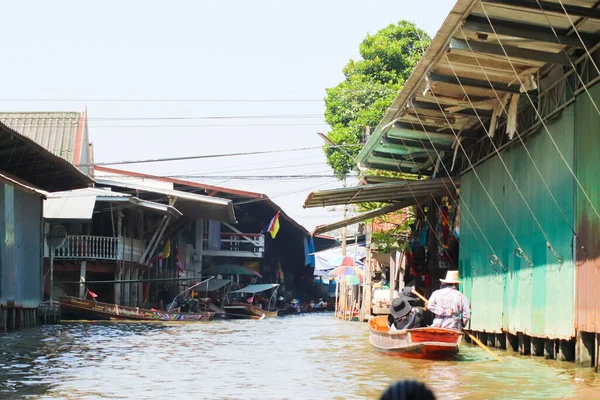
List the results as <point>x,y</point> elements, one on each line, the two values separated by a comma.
<point>396,154</point>
<point>398,132</point>
<point>524,31</point>
<point>574,11</point>
<point>512,52</point>
<point>82,279</point>
<point>403,143</point>
<point>469,82</point>
<point>374,165</point>
<point>397,162</point>
<point>368,215</point>
<point>423,105</point>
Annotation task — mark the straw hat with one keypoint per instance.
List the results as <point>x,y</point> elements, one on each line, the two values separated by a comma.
<point>451,277</point>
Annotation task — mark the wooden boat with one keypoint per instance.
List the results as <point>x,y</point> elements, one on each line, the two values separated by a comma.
<point>424,343</point>
<point>240,310</point>
<point>90,309</point>
<point>251,310</point>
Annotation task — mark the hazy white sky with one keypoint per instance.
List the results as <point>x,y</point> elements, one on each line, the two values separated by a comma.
<point>203,50</point>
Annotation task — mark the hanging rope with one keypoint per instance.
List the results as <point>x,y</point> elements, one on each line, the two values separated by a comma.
<point>503,162</point>
<point>540,116</point>
<point>475,172</point>
<point>461,197</point>
<point>539,172</point>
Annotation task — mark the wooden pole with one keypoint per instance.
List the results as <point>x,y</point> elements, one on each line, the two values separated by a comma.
<point>473,338</point>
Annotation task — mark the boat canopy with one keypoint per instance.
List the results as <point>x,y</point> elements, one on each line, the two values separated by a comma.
<point>212,285</point>
<point>252,289</point>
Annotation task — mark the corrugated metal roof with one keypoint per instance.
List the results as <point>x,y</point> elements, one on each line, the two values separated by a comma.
<point>55,131</point>
<point>467,74</point>
<point>194,205</point>
<point>381,192</point>
<point>79,204</point>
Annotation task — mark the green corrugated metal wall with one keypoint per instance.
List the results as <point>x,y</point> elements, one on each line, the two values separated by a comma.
<point>537,301</point>
<point>587,145</point>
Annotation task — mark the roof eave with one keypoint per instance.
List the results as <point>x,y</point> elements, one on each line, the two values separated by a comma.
<point>435,50</point>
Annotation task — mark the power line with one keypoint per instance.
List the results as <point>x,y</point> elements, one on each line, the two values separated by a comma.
<point>164,100</point>
<point>251,153</point>
<point>200,125</point>
<point>209,117</point>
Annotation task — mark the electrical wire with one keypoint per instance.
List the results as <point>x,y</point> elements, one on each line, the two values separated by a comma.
<point>537,169</point>
<point>586,195</point>
<point>510,176</point>
<point>205,156</point>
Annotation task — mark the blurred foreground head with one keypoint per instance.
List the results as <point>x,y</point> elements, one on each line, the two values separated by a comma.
<point>407,390</point>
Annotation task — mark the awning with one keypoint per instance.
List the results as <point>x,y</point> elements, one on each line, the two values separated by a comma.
<point>323,258</point>
<point>79,204</point>
<point>212,285</point>
<point>486,55</point>
<point>190,204</point>
<point>19,183</point>
<point>252,289</point>
<point>381,192</point>
<point>34,166</point>
<point>368,215</point>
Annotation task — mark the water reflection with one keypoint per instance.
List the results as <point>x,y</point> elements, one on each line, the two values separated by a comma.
<point>298,357</point>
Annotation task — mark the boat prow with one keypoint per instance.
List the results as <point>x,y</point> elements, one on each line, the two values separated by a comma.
<point>423,343</point>
<point>95,310</point>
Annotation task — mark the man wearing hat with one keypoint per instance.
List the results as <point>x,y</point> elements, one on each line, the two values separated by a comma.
<point>451,308</point>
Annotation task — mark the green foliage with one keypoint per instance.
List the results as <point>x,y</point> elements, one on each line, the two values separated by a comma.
<point>371,85</point>
<point>395,239</point>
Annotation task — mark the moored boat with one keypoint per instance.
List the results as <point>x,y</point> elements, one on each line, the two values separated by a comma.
<point>424,343</point>
<point>95,310</point>
<point>253,308</point>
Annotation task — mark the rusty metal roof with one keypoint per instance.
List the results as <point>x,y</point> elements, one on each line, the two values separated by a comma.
<point>57,132</point>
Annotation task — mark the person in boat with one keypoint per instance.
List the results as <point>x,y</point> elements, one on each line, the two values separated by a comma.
<point>451,308</point>
<point>295,305</point>
<point>321,305</point>
<point>164,299</point>
<point>403,316</point>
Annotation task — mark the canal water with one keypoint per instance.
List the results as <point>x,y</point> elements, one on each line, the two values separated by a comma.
<point>310,356</point>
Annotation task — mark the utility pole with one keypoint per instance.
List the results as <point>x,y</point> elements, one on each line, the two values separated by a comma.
<point>344,227</point>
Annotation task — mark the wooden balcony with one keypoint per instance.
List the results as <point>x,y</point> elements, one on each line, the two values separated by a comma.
<point>237,245</point>
<point>84,247</point>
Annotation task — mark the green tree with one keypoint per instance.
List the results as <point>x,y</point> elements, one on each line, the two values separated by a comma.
<point>371,84</point>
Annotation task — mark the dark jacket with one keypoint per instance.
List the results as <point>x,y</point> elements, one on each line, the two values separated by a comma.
<point>414,319</point>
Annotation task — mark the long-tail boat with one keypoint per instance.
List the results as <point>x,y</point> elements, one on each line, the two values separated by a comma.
<point>424,343</point>
<point>252,309</point>
<point>95,310</point>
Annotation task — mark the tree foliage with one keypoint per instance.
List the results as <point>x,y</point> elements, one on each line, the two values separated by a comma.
<point>371,84</point>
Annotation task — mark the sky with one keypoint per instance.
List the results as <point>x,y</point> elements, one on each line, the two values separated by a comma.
<point>154,74</point>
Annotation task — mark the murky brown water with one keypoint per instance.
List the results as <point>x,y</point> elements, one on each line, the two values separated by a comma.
<point>298,357</point>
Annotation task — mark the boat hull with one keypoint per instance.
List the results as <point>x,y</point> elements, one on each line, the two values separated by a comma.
<point>90,309</point>
<point>238,310</point>
<point>422,343</point>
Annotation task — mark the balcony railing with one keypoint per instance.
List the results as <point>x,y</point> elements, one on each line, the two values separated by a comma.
<point>232,244</point>
<point>94,247</point>
<point>100,248</point>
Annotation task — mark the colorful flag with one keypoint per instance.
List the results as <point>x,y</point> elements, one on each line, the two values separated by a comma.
<point>92,294</point>
<point>280,275</point>
<point>273,227</point>
<point>167,250</point>
<point>178,261</point>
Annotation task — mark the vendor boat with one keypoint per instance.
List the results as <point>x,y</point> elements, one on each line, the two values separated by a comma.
<point>423,343</point>
<point>254,309</point>
<point>95,310</point>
